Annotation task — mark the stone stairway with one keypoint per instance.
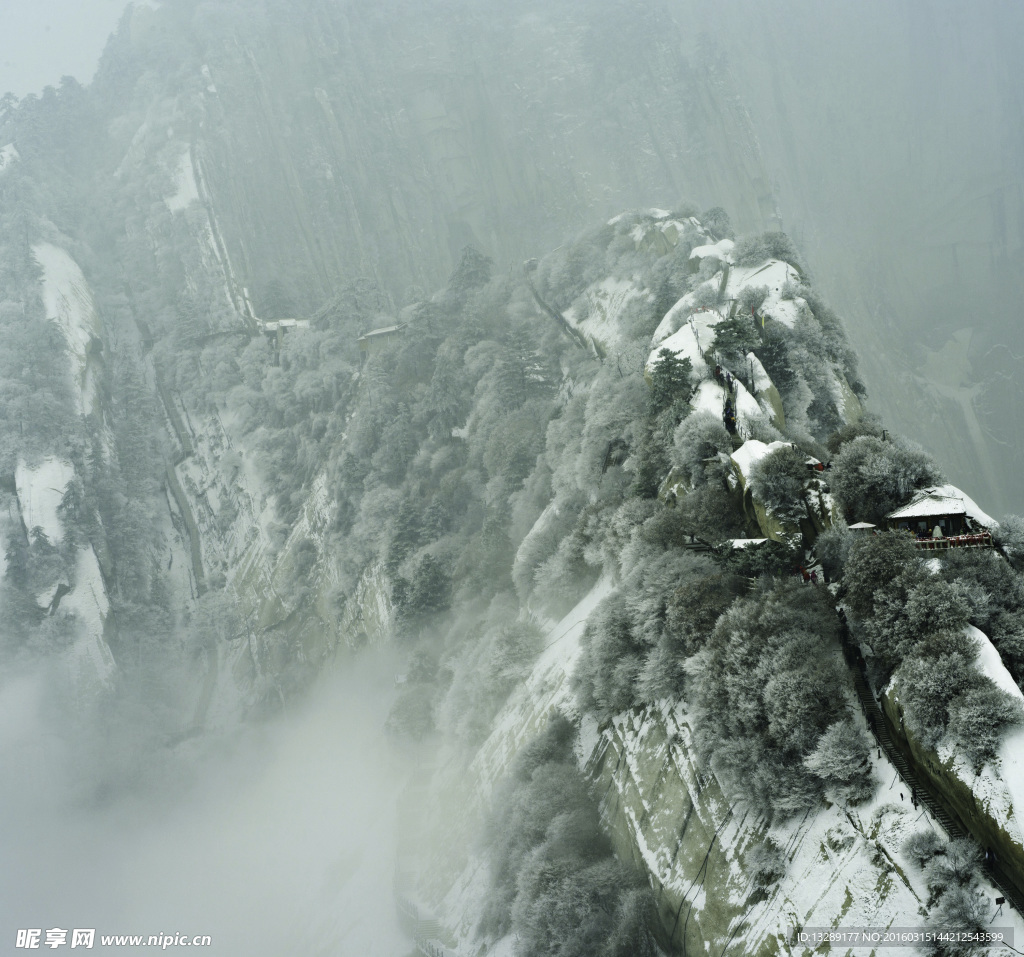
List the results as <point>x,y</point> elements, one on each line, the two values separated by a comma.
<point>953,827</point>
<point>431,947</point>
<point>427,932</point>
<point>873,713</point>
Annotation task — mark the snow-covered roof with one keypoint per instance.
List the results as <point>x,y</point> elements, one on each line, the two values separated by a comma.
<point>943,500</point>
<point>928,505</point>
<point>373,333</point>
<point>276,324</point>
<point>745,542</point>
<point>973,511</point>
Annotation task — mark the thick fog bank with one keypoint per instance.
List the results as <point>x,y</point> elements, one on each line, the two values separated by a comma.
<point>278,839</point>
<point>892,136</point>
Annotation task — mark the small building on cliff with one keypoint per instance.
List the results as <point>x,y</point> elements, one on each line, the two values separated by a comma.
<point>943,512</point>
<point>370,342</point>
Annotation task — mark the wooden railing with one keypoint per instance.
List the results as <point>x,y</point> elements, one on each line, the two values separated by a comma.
<point>980,540</point>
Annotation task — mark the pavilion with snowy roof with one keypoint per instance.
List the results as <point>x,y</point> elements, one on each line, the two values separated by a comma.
<point>943,512</point>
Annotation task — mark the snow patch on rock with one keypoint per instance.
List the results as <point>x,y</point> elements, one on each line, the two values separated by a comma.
<point>839,861</point>
<point>92,661</point>
<point>686,313</point>
<point>604,305</point>
<point>709,397</point>
<point>748,410</point>
<point>68,301</point>
<point>752,451</point>
<point>186,191</point>
<point>40,491</point>
<point>774,274</point>
<point>688,333</point>
<point>762,381</point>
<point>722,251</point>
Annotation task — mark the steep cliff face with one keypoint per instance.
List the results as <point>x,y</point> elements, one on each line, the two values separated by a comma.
<point>341,141</point>
<point>702,852</point>
<point>42,483</point>
<point>704,856</point>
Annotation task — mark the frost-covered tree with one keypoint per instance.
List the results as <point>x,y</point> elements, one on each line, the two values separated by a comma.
<point>712,514</point>
<point>922,846</point>
<point>870,477</point>
<point>428,592</point>
<point>554,882</point>
<point>697,444</point>
<point>979,717</point>
<point>412,715</point>
<point>766,688</point>
<point>751,299</point>
<point>928,686</point>
<point>716,221</point>
<point>841,759</point>
<point>753,250</point>
<point>486,671</point>
<point>635,643</point>
<point>956,897</point>
<point>472,272</point>
<point>607,673</point>
<point>874,561</point>
<point>670,380</point>
<point>1009,537</point>
<point>773,351</point>
<point>832,548</point>
<point>778,480</point>
<point>963,907</point>
<point>917,613</point>
<point>766,863</point>
<point>734,338</point>
<point>866,425</point>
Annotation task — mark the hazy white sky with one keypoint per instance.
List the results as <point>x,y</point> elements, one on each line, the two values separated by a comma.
<point>43,40</point>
